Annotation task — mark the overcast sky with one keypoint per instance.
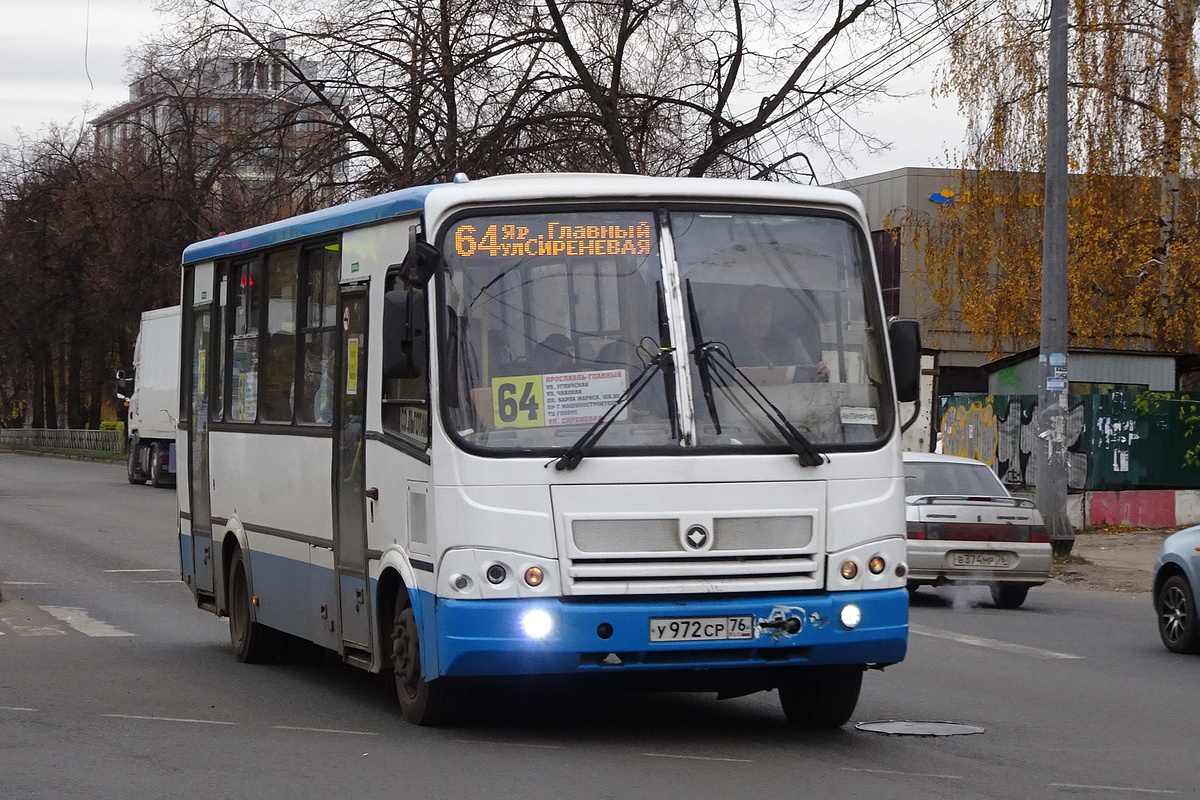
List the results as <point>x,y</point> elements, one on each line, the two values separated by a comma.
<point>63,61</point>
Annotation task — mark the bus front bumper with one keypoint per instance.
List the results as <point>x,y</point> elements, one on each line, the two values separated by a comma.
<point>556,637</point>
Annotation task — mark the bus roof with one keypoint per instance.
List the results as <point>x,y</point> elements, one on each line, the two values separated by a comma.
<point>510,188</point>
<point>347,215</point>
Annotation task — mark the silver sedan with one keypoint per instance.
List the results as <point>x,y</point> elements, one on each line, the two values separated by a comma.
<point>965,528</point>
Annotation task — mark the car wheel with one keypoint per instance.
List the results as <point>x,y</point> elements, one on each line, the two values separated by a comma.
<point>1177,624</point>
<point>1008,595</point>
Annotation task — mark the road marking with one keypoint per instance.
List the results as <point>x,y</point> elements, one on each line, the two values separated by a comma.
<point>16,708</point>
<point>173,580</point>
<point>32,630</point>
<point>139,570</point>
<point>324,730</point>
<point>993,644</point>
<point>81,621</point>
<point>169,719</point>
<point>1111,788</point>
<point>905,774</point>
<point>699,758</point>
<point>511,744</point>
<point>25,583</point>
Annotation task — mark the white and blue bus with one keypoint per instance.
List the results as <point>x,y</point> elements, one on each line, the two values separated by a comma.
<point>629,428</point>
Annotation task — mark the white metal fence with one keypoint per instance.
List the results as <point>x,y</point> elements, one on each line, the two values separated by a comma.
<point>98,441</point>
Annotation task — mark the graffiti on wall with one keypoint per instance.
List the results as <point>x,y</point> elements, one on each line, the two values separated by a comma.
<point>999,430</point>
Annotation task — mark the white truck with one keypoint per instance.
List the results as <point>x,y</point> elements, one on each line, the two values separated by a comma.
<point>152,394</point>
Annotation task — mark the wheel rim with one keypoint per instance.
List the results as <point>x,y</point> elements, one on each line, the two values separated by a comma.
<point>1173,614</point>
<point>406,656</point>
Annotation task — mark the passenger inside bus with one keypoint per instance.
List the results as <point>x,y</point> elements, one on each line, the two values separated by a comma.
<point>759,336</point>
<point>555,353</point>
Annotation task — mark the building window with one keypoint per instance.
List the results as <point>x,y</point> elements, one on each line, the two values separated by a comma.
<point>886,244</point>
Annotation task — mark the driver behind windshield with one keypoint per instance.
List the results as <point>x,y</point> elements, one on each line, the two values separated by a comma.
<point>759,336</point>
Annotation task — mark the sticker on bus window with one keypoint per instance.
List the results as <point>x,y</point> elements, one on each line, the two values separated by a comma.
<point>352,364</point>
<point>563,398</point>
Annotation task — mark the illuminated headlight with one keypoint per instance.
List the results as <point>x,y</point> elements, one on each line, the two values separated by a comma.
<point>537,624</point>
<point>534,576</point>
<point>849,569</point>
<point>851,616</point>
<point>876,565</point>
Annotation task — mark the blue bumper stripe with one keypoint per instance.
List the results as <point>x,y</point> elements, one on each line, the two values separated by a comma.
<point>484,637</point>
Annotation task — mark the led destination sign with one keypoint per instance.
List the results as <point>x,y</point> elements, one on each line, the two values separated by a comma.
<point>552,238</point>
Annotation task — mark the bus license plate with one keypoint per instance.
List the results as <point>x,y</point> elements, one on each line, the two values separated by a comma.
<point>979,559</point>
<point>701,629</point>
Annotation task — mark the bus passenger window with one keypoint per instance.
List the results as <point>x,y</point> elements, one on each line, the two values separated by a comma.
<point>318,339</point>
<point>279,361</point>
<point>246,302</point>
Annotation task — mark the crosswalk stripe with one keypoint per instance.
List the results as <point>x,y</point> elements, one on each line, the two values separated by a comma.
<point>80,620</point>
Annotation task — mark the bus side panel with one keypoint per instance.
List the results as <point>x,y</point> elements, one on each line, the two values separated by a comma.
<point>279,579</point>
<point>278,486</point>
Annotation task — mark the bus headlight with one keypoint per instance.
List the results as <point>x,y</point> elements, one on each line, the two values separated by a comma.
<point>851,615</point>
<point>534,576</point>
<point>876,565</point>
<point>849,570</point>
<point>537,624</point>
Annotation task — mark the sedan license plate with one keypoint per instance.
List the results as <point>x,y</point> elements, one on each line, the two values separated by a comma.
<point>701,629</point>
<point>993,560</point>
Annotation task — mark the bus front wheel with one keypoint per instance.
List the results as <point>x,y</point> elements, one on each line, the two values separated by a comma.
<point>821,697</point>
<point>253,643</point>
<point>422,702</point>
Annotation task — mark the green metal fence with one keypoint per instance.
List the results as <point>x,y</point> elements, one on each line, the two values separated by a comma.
<point>1120,440</point>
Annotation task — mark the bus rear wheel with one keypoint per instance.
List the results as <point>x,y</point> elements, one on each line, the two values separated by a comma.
<point>253,643</point>
<point>422,702</point>
<point>821,697</point>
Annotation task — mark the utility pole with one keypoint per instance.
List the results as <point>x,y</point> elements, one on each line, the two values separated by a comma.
<point>1052,357</point>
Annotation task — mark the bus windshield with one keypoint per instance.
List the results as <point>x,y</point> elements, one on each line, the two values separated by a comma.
<point>549,317</point>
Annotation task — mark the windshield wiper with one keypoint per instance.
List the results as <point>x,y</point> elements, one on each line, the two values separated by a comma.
<point>664,362</point>
<point>726,372</point>
<point>701,355</point>
<point>587,442</point>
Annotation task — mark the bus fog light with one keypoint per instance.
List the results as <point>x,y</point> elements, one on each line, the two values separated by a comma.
<point>851,616</point>
<point>876,565</point>
<point>534,576</point>
<point>537,624</point>
<point>849,570</point>
<point>901,570</point>
<point>460,582</point>
<point>496,573</point>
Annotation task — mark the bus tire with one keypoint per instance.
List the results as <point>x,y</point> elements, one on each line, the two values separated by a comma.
<point>252,642</point>
<point>821,697</point>
<point>156,470</point>
<point>429,703</point>
<point>131,465</point>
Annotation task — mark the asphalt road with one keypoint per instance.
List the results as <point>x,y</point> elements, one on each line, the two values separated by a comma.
<point>113,685</point>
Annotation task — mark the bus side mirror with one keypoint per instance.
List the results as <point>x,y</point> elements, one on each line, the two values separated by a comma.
<point>405,354</point>
<point>906,358</point>
<point>420,262</point>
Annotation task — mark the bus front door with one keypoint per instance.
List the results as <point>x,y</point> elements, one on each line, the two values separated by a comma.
<point>198,477</point>
<point>350,522</point>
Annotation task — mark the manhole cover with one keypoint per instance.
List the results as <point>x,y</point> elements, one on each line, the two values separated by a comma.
<point>906,728</point>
